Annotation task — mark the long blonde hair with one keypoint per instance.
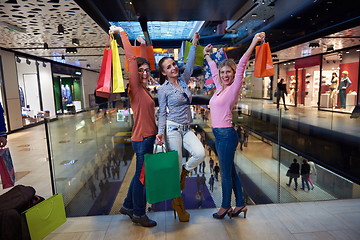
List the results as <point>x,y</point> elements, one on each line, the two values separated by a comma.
<point>229,63</point>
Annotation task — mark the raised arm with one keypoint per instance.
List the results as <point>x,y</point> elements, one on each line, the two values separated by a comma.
<point>130,56</point>
<point>213,67</point>
<point>191,58</point>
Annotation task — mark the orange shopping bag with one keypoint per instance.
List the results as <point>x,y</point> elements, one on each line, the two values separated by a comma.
<point>263,61</point>
<point>147,54</point>
<point>103,86</point>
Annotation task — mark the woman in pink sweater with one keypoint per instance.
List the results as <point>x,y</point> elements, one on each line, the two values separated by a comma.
<point>228,81</point>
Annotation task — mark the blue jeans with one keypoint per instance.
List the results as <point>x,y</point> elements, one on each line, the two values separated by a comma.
<point>136,198</point>
<point>226,141</point>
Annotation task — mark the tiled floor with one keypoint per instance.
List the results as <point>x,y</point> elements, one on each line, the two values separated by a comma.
<point>339,219</point>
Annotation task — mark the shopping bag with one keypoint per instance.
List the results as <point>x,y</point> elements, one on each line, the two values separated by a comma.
<point>264,66</point>
<point>162,178</point>
<point>7,171</point>
<point>117,77</point>
<point>218,56</point>
<point>142,175</point>
<point>149,55</point>
<point>104,81</point>
<point>45,217</point>
<point>288,173</point>
<point>199,58</point>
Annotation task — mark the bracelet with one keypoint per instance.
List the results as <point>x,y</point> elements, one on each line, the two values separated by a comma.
<point>207,54</point>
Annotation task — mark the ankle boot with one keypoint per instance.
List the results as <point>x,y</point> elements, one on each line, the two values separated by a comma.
<point>178,206</point>
<point>183,176</point>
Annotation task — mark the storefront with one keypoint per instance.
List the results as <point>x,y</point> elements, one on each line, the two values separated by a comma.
<point>318,81</point>
<point>68,92</point>
<point>35,90</point>
<point>339,93</point>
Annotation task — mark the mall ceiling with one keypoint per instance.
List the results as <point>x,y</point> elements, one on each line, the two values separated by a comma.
<point>26,25</point>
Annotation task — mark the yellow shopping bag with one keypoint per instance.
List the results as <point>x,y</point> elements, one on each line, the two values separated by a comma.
<point>117,77</point>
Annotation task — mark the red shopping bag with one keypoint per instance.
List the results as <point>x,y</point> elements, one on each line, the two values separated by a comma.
<point>7,171</point>
<point>103,86</point>
<point>264,66</point>
<point>142,175</point>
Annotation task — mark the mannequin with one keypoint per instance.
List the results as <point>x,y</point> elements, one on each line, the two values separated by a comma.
<point>292,86</point>
<point>344,84</point>
<point>333,89</point>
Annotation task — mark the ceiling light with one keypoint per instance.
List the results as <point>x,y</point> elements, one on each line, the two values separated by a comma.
<point>75,42</point>
<point>61,29</point>
<point>88,65</point>
<point>46,46</point>
<point>314,45</point>
<point>28,61</point>
<point>18,60</point>
<point>329,48</point>
<point>274,55</point>
<point>71,50</point>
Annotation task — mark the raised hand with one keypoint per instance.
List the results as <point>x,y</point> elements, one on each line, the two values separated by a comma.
<point>140,39</point>
<point>207,49</point>
<point>196,38</point>
<point>115,29</point>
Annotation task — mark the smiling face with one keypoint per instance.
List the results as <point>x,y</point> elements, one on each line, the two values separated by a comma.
<point>169,68</point>
<point>227,75</point>
<point>144,73</point>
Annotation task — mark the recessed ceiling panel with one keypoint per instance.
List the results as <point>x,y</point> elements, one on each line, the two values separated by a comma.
<point>161,30</point>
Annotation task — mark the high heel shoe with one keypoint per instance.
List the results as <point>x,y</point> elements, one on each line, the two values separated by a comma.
<point>179,208</point>
<point>228,211</point>
<point>243,209</point>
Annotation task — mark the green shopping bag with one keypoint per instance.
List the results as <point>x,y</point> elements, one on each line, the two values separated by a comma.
<point>45,217</point>
<point>199,58</point>
<point>162,178</point>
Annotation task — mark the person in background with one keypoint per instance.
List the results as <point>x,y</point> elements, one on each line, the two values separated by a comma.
<point>312,172</point>
<point>216,171</point>
<point>305,172</point>
<point>175,117</point>
<point>211,163</point>
<point>294,173</point>
<point>3,135</point>
<point>281,91</point>
<point>211,183</point>
<point>143,131</point>
<point>228,79</point>
<point>241,135</point>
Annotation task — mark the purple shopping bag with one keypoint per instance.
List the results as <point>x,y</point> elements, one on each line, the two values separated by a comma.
<point>7,171</point>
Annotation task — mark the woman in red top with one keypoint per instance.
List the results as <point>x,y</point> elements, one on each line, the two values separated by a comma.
<point>144,129</point>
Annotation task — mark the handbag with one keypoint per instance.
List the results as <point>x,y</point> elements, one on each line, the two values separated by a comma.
<point>162,176</point>
<point>199,55</point>
<point>264,66</point>
<point>117,77</point>
<point>45,217</point>
<point>275,94</point>
<point>104,81</point>
<point>7,171</point>
<point>288,173</point>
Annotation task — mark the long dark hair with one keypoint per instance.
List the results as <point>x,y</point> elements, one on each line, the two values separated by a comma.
<point>140,61</point>
<point>162,78</point>
<point>334,75</point>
